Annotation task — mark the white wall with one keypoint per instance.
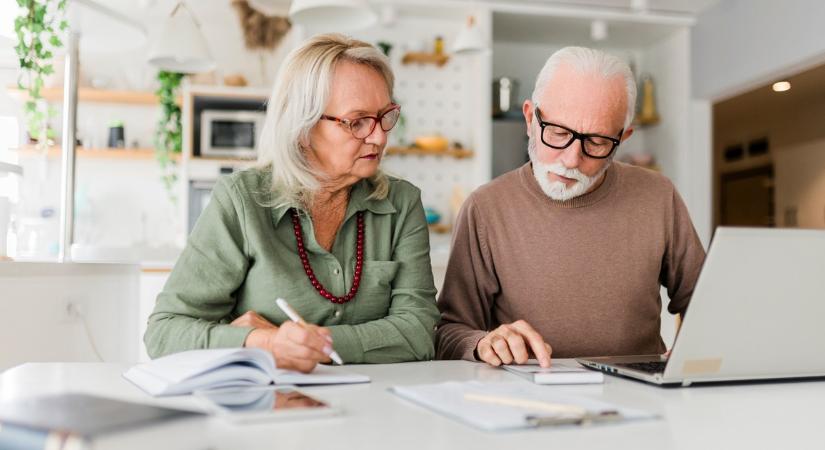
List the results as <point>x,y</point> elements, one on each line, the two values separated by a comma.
<point>799,176</point>
<point>668,61</point>
<point>740,44</point>
<point>38,327</point>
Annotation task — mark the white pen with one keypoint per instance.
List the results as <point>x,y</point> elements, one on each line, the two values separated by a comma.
<point>293,316</point>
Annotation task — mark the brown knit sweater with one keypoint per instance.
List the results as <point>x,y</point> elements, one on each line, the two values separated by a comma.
<point>585,273</point>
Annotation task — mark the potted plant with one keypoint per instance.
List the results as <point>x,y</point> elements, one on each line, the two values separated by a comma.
<point>38,29</point>
<point>169,134</point>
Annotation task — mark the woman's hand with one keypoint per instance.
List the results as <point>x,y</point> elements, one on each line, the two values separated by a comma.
<point>252,319</point>
<point>295,347</point>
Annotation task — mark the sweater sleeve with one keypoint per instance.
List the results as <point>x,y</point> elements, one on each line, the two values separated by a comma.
<point>470,286</point>
<point>191,311</point>
<point>683,258</point>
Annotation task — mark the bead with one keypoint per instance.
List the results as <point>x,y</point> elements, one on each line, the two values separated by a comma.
<point>359,252</point>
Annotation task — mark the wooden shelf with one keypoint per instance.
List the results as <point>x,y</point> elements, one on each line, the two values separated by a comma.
<point>439,59</point>
<point>99,153</point>
<point>93,95</point>
<point>457,153</point>
<point>440,228</point>
<point>224,160</point>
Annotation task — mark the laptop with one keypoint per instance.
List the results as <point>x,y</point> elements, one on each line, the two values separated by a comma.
<point>757,313</point>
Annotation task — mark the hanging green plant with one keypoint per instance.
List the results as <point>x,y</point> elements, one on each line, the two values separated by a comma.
<point>169,134</point>
<point>38,29</point>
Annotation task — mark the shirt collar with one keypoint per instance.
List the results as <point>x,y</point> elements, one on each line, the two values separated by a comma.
<point>358,201</point>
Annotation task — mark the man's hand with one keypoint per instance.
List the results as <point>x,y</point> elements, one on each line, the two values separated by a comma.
<point>513,342</point>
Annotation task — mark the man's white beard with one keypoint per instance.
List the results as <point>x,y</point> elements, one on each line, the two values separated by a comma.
<point>557,190</point>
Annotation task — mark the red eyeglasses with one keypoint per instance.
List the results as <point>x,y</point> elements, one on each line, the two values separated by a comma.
<point>361,127</point>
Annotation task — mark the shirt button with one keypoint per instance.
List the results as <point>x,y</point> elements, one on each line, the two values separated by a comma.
<point>336,271</point>
<point>338,314</point>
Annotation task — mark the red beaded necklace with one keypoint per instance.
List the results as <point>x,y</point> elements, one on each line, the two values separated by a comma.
<point>359,260</point>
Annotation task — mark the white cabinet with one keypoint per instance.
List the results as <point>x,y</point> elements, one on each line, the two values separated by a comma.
<point>152,280</point>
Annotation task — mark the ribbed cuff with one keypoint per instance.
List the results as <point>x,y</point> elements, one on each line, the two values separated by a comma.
<point>469,344</point>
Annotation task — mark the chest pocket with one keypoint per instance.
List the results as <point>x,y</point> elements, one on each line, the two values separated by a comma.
<point>375,291</point>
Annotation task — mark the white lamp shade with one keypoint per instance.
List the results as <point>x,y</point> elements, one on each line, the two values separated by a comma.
<point>269,8</point>
<point>332,14</point>
<point>180,46</point>
<point>470,39</point>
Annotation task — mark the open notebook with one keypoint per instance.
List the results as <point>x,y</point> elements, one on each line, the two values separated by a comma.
<point>186,372</point>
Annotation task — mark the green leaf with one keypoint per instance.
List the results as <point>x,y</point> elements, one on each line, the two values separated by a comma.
<point>55,41</point>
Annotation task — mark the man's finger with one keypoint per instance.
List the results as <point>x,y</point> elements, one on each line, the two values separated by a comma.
<point>502,350</point>
<point>487,354</point>
<point>517,347</point>
<point>540,348</point>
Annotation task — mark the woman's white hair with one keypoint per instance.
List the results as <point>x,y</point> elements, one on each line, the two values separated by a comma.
<point>588,60</point>
<point>299,96</point>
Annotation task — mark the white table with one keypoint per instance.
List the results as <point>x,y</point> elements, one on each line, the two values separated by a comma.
<point>752,416</point>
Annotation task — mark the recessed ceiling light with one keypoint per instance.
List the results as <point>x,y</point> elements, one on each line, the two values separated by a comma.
<point>781,86</point>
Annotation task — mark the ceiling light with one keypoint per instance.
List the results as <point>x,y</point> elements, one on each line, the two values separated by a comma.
<point>180,47</point>
<point>639,6</point>
<point>329,15</point>
<point>598,30</point>
<point>470,39</point>
<point>781,86</point>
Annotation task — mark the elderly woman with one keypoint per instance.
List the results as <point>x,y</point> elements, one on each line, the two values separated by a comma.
<point>317,223</point>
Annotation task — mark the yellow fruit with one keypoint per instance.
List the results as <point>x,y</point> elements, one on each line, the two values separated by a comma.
<point>432,143</point>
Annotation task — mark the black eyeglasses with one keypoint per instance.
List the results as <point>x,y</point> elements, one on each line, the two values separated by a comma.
<point>560,137</point>
<point>361,127</point>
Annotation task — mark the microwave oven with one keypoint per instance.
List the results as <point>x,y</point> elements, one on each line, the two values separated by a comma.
<point>230,134</point>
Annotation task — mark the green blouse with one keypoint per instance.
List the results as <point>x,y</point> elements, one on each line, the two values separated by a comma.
<point>241,256</point>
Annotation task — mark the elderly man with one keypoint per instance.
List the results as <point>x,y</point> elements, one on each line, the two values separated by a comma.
<point>566,255</point>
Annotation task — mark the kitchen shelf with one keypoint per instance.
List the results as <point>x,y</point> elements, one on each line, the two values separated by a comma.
<point>99,153</point>
<point>457,153</point>
<point>440,228</point>
<point>224,160</point>
<point>439,59</point>
<point>93,95</point>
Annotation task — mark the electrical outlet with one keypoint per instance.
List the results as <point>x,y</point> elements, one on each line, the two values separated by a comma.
<point>72,310</point>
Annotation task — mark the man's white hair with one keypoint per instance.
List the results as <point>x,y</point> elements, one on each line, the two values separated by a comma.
<point>588,60</point>
<point>299,96</point>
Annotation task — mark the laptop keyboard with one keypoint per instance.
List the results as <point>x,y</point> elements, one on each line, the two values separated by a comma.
<point>649,367</point>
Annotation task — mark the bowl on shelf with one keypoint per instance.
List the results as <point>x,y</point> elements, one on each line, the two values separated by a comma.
<point>432,216</point>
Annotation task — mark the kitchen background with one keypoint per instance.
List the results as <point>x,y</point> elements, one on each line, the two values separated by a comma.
<point>462,113</point>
